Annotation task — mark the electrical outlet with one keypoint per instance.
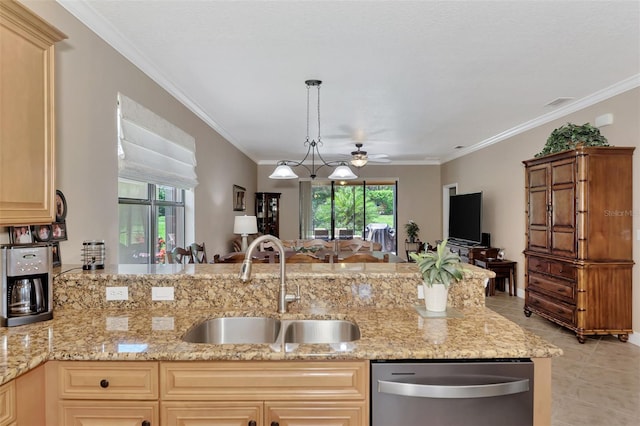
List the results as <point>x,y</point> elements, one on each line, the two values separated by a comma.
<point>162,323</point>
<point>420,291</point>
<point>161,293</point>
<point>117,293</point>
<point>117,323</point>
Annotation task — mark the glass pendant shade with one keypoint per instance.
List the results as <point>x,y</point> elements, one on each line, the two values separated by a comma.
<point>359,161</point>
<point>342,172</point>
<point>283,172</point>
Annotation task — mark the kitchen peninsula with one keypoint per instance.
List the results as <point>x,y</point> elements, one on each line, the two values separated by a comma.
<point>90,336</point>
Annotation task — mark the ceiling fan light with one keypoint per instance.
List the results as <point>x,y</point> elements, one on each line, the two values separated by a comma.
<point>359,161</point>
<point>342,172</point>
<point>283,171</point>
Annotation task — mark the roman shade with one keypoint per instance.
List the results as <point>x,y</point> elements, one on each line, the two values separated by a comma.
<point>152,150</point>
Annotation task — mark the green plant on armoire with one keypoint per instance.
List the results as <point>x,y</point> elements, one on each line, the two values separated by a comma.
<point>571,135</point>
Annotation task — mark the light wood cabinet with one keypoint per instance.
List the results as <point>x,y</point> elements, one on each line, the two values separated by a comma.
<point>8,404</point>
<point>227,413</point>
<point>276,393</point>
<point>27,115</point>
<point>290,413</point>
<point>96,393</point>
<point>579,240</point>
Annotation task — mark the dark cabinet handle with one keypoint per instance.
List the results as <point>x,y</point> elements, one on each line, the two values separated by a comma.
<point>146,423</point>
<point>104,383</point>
<point>252,423</point>
<point>275,424</point>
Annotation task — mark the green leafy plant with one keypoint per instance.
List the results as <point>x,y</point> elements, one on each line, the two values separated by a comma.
<point>412,229</point>
<point>441,266</point>
<point>570,135</point>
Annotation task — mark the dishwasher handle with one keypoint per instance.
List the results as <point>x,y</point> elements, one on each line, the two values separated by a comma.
<point>516,385</point>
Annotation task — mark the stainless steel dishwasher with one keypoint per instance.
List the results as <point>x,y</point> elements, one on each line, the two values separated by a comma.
<point>452,392</point>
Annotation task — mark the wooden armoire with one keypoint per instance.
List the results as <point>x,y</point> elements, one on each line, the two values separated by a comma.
<point>579,240</point>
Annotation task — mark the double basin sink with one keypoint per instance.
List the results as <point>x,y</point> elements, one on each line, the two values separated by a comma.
<point>256,330</point>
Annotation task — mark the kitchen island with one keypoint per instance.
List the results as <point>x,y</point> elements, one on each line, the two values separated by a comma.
<point>379,298</point>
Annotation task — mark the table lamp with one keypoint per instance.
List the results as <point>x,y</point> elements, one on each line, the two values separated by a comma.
<point>245,225</point>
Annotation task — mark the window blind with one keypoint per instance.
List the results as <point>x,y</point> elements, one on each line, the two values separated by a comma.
<point>152,150</point>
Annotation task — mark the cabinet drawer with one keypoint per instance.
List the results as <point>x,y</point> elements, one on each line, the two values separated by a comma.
<point>277,380</point>
<point>108,380</point>
<point>553,307</point>
<point>565,290</point>
<point>211,413</point>
<point>537,264</point>
<point>563,270</point>
<point>92,413</point>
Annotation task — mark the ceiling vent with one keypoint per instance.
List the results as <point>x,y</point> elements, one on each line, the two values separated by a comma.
<point>559,101</point>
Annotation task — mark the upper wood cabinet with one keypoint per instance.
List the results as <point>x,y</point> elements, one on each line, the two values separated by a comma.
<point>27,158</point>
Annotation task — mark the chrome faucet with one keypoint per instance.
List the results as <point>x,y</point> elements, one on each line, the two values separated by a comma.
<point>245,271</point>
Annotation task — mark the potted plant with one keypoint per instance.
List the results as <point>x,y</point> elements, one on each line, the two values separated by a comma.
<point>412,229</point>
<point>439,269</point>
<point>570,135</point>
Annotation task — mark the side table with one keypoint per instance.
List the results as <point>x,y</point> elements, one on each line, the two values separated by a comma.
<point>504,269</point>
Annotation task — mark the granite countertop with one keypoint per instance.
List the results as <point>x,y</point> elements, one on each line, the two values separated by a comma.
<point>152,331</point>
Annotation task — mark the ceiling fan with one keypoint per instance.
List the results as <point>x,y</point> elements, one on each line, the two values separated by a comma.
<point>360,158</point>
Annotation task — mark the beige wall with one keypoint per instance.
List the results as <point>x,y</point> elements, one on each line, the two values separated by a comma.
<point>418,197</point>
<point>89,73</point>
<point>499,173</point>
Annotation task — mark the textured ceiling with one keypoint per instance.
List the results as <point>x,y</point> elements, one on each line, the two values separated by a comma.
<point>411,79</point>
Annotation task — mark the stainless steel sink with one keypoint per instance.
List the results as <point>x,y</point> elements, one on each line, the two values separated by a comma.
<point>255,330</point>
<point>235,330</point>
<point>321,331</point>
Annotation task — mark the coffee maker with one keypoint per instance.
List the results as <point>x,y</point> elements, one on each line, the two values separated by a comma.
<point>27,290</point>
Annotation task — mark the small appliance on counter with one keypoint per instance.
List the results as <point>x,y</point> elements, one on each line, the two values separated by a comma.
<point>93,254</point>
<point>27,284</point>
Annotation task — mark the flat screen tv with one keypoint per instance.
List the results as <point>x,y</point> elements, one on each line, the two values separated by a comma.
<point>465,218</point>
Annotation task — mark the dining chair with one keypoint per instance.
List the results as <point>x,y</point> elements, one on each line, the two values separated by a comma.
<point>238,257</point>
<point>364,258</point>
<point>198,253</point>
<point>180,255</point>
<point>305,258</point>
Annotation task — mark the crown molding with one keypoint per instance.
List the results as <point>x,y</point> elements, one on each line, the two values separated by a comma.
<point>97,24</point>
<point>599,96</point>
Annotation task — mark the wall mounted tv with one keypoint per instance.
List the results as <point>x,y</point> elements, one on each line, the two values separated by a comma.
<point>465,218</point>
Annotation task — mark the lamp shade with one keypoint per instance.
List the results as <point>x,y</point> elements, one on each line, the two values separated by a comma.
<point>342,172</point>
<point>245,225</point>
<point>283,172</point>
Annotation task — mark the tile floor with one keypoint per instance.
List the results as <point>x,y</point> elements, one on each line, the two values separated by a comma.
<point>595,383</point>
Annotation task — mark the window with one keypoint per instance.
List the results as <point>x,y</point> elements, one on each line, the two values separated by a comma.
<point>156,171</point>
<point>151,220</point>
<point>344,210</point>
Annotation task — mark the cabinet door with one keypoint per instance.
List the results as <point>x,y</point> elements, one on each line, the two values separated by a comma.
<point>316,413</point>
<point>26,114</point>
<point>563,207</point>
<point>186,413</point>
<point>7,403</point>
<point>112,413</point>
<point>538,200</point>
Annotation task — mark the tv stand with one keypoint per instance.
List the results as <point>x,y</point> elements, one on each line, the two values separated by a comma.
<point>468,252</point>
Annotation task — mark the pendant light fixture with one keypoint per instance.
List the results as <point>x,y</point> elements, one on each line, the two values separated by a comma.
<point>284,168</point>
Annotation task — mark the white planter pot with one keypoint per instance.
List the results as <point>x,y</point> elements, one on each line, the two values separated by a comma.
<point>435,297</point>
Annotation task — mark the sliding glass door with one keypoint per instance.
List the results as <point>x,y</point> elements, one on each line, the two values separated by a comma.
<point>344,210</point>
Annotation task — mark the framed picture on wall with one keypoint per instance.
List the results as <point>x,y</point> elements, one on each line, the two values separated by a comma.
<point>61,206</point>
<point>59,231</point>
<point>55,251</point>
<point>41,233</point>
<point>239,204</point>
<point>20,234</point>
